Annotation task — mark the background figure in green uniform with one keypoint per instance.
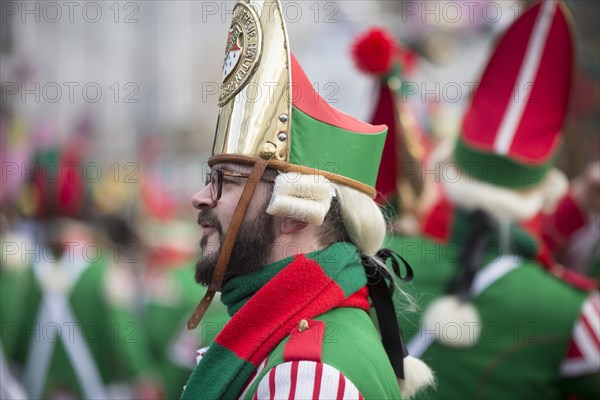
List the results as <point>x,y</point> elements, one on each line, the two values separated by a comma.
<point>69,328</point>
<point>496,321</point>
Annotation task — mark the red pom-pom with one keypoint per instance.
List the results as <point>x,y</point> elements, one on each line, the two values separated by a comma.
<point>374,51</point>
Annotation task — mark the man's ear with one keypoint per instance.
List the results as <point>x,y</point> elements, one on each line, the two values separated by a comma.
<point>290,225</point>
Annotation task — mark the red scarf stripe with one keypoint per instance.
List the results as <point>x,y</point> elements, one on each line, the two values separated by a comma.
<point>332,296</point>
<point>253,332</point>
<point>358,300</point>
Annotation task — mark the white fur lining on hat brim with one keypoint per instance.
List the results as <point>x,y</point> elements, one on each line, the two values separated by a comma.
<point>501,202</point>
<point>306,198</point>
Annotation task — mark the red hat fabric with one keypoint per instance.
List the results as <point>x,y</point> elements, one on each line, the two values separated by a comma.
<point>511,132</point>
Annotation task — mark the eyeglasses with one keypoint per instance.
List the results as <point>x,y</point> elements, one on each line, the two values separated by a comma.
<point>215,178</point>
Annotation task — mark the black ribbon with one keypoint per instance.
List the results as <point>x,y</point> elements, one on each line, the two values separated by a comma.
<point>381,295</point>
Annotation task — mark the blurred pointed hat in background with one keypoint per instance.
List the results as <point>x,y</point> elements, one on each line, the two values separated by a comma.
<point>399,182</point>
<point>512,130</point>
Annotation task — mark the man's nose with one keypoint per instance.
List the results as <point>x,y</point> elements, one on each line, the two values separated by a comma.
<point>203,199</point>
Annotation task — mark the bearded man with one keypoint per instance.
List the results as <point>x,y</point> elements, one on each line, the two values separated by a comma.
<point>291,236</point>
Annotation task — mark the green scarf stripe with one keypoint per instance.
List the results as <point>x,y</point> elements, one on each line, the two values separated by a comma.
<point>216,355</point>
<point>498,169</point>
<point>235,388</point>
<point>318,144</point>
<point>340,256</point>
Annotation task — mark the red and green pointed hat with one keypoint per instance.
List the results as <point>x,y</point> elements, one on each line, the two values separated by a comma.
<point>377,53</point>
<point>270,110</point>
<point>511,132</point>
<point>326,138</point>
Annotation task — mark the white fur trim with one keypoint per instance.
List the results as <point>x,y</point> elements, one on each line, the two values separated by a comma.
<point>363,219</point>
<point>406,224</point>
<point>556,186</point>
<point>306,198</point>
<point>454,324</point>
<point>500,202</point>
<point>417,376</point>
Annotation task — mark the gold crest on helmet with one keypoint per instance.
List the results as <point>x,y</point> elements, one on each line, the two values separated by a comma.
<point>255,99</point>
<point>242,52</point>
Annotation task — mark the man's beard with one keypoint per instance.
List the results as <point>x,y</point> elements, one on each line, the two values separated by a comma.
<point>251,250</point>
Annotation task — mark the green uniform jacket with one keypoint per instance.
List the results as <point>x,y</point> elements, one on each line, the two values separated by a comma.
<point>352,362</point>
<point>527,321</point>
<point>112,335</point>
<point>352,346</point>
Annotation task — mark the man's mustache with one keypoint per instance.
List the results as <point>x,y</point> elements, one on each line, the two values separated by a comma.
<point>208,217</point>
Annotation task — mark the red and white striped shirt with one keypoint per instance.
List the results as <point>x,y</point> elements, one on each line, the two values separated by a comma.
<point>583,356</point>
<point>305,380</point>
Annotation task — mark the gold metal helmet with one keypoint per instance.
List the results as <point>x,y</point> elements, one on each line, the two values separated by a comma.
<point>270,116</point>
<point>255,101</point>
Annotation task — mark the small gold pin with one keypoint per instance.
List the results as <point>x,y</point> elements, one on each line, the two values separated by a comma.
<point>303,325</point>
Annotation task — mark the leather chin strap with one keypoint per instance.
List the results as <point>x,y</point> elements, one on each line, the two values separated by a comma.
<point>225,254</point>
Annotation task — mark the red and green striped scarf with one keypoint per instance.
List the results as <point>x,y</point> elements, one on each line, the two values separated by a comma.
<point>268,304</point>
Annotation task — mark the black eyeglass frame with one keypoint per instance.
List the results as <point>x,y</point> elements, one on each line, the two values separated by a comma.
<point>215,179</point>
